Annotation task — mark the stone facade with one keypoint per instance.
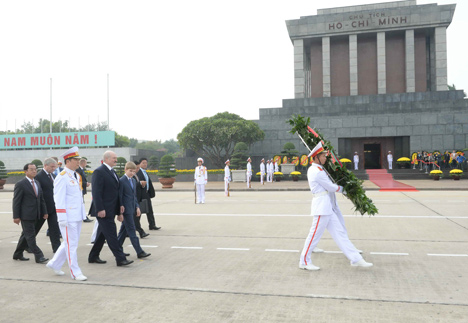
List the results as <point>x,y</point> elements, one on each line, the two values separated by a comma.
<point>394,78</point>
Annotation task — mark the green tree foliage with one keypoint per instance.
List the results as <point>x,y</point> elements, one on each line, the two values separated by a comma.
<point>167,167</point>
<point>239,157</point>
<point>3,172</point>
<point>289,150</point>
<point>120,166</point>
<point>38,164</point>
<point>153,162</point>
<point>216,136</point>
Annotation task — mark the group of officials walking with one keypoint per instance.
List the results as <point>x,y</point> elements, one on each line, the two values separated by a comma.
<point>59,200</point>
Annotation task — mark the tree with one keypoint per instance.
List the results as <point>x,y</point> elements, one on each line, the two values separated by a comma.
<point>239,157</point>
<point>215,137</point>
<point>171,145</point>
<point>120,166</point>
<point>153,162</point>
<point>167,167</point>
<point>289,150</point>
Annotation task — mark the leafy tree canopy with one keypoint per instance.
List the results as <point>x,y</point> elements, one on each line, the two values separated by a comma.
<point>216,136</point>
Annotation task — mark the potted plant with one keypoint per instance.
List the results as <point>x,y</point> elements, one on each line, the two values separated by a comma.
<point>120,166</point>
<point>3,174</point>
<point>345,162</point>
<point>167,171</point>
<point>456,174</point>
<point>436,174</point>
<point>403,162</point>
<point>257,176</point>
<point>295,175</point>
<point>278,176</point>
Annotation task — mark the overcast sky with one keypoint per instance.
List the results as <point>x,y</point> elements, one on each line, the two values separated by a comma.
<point>169,62</point>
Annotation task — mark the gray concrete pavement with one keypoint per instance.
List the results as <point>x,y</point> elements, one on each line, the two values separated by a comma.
<point>235,260</point>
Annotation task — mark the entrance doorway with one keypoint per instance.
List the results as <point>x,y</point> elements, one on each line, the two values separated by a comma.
<point>372,156</point>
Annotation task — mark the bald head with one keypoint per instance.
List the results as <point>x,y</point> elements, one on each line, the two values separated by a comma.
<point>110,158</point>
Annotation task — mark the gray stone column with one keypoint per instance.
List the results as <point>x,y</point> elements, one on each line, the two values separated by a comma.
<point>381,65</point>
<point>409,61</point>
<point>326,66</point>
<point>441,58</point>
<point>353,66</point>
<point>299,77</point>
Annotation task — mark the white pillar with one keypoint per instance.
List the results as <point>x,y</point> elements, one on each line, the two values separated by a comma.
<point>353,65</point>
<point>326,66</point>
<point>381,65</point>
<point>409,61</point>
<point>299,75</point>
<point>441,58</point>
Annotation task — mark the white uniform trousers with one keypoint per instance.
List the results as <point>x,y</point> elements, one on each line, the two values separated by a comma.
<point>200,193</point>
<point>226,185</point>
<point>269,177</point>
<point>93,235</point>
<point>356,165</point>
<point>67,250</point>
<point>262,174</point>
<point>248,180</point>
<point>337,231</point>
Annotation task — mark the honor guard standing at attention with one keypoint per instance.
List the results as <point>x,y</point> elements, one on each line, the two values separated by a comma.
<point>227,177</point>
<point>276,166</point>
<point>70,215</point>
<point>201,178</point>
<point>390,160</point>
<point>270,170</point>
<point>262,170</point>
<point>325,211</point>
<point>249,172</point>
<point>356,160</point>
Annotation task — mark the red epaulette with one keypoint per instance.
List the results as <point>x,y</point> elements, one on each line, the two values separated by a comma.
<point>320,168</point>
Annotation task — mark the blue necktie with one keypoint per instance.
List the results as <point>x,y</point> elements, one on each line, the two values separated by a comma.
<point>146,178</point>
<point>131,183</point>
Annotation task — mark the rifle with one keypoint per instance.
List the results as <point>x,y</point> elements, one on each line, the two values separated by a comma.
<point>195,190</point>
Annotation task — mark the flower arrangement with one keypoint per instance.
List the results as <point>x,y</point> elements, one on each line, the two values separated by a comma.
<point>436,174</point>
<point>278,176</point>
<point>345,160</point>
<point>456,174</point>
<point>341,176</point>
<point>19,173</point>
<point>295,175</point>
<point>403,162</point>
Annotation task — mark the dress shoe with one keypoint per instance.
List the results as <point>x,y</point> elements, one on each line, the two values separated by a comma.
<point>155,228</point>
<point>143,254</point>
<point>87,220</point>
<point>96,261</point>
<point>21,258</point>
<point>308,267</point>
<point>57,272</point>
<point>362,263</point>
<point>124,262</point>
<point>317,250</point>
<point>126,254</point>
<point>42,260</point>
<point>81,277</point>
<point>144,235</point>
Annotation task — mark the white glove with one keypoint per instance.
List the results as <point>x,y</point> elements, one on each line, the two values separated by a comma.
<point>63,223</point>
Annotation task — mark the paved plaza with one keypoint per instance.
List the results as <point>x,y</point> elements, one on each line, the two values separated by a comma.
<point>236,260</point>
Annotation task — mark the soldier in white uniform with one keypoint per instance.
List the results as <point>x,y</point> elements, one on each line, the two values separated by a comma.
<point>201,178</point>
<point>325,211</point>
<point>249,172</point>
<point>227,177</point>
<point>269,167</point>
<point>356,160</point>
<point>70,215</point>
<point>390,159</point>
<point>262,170</point>
<point>276,166</point>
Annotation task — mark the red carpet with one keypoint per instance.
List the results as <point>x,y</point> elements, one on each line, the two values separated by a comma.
<point>384,180</point>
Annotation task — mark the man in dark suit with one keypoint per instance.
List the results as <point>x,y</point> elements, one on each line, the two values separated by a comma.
<point>46,178</point>
<point>139,191</point>
<point>105,206</point>
<point>128,200</point>
<point>148,192</point>
<point>84,181</point>
<point>28,207</point>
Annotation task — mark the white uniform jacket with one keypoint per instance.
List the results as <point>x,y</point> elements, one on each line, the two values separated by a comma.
<point>356,158</point>
<point>324,201</point>
<point>68,197</point>
<point>201,175</point>
<point>390,158</point>
<point>227,174</point>
<point>262,168</point>
<point>249,169</point>
<point>276,167</point>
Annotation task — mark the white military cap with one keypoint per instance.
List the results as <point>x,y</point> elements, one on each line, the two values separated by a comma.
<point>248,159</point>
<point>200,159</point>
<point>317,150</point>
<point>263,159</point>
<point>227,161</point>
<point>70,153</point>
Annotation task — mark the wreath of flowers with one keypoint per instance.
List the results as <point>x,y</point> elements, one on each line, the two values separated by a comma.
<point>341,175</point>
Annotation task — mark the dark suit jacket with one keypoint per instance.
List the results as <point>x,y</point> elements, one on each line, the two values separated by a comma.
<point>84,180</point>
<point>127,195</point>
<point>146,193</point>
<point>105,192</point>
<point>26,206</point>
<point>48,190</point>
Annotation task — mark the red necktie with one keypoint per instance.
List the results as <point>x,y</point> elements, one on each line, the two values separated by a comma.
<point>34,187</point>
